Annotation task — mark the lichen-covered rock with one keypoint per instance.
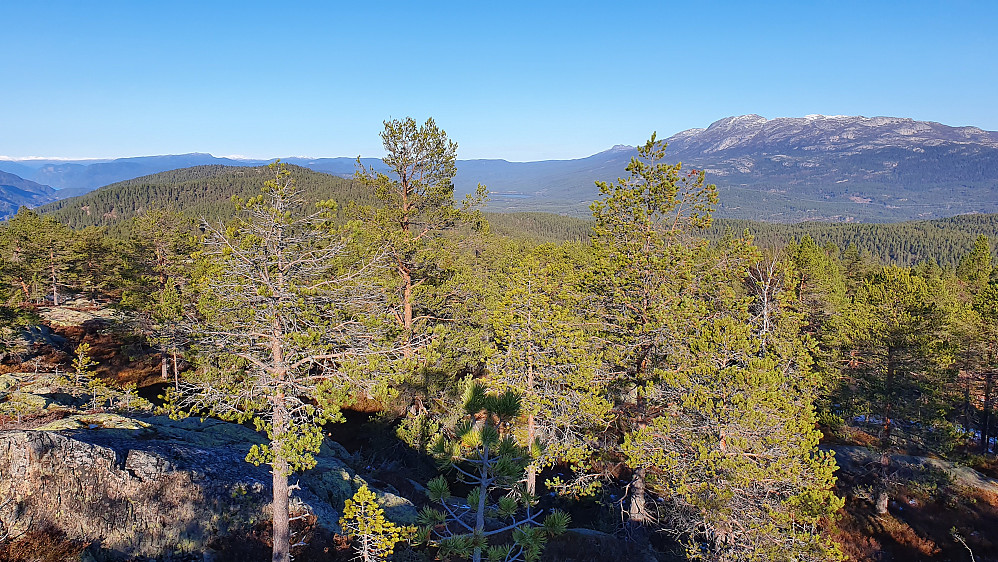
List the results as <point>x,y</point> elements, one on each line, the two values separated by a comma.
<point>155,487</point>
<point>69,316</point>
<point>100,420</point>
<point>9,382</point>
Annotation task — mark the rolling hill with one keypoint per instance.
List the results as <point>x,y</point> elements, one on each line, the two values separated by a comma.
<point>199,191</point>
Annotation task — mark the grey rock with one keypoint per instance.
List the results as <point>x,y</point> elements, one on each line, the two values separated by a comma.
<point>155,487</point>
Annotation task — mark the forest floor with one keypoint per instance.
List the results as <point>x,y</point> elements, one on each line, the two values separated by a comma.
<point>938,509</point>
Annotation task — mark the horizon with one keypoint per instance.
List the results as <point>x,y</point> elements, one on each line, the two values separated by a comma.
<point>240,157</point>
<point>530,82</point>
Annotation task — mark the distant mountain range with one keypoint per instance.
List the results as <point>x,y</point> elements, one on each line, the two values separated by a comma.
<point>16,191</point>
<point>817,167</point>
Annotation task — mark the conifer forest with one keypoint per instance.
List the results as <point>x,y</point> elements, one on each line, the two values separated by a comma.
<point>404,376</point>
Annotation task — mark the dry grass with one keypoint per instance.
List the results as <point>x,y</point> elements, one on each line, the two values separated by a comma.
<point>985,464</point>
<point>902,533</point>
<point>42,544</point>
<point>854,537</point>
<point>31,421</point>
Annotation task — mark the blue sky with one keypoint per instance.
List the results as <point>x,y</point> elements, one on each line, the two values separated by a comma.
<point>513,80</point>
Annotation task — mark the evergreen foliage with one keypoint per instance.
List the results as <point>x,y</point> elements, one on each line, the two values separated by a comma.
<point>544,352</point>
<point>485,456</point>
<point>716,406</point>
<point>374,535</point>
<point>416,208</point>
<point>941,241</point>
<point>278,323</point>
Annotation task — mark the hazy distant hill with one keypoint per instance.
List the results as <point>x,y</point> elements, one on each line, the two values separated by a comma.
<point>833,168</point>
<point>86,175</point>
<point>16,191</point>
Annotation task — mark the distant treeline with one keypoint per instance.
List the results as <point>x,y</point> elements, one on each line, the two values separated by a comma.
<point>940,241</point>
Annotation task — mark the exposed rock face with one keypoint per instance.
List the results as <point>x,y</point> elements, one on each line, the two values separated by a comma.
<point>154,486</point>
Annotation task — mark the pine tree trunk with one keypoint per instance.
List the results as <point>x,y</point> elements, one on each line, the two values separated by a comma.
<point>637,512</point>
<point>27,291</point>
<point>406,271</point>
<point>164,366</point>
<point>407,311</point>
<point>986,413</point>
<point>889,395</point>
<point>882,496</point>
<point>176,370</point>
<point>55,289</point>
<point>966,404</point>
<point>531,429</point>
<point>885,458</point>
<point>531,468</point>
<point>280,421</point>
<point>280,513</point>
<point>483,494</point>
<point>366,553</point>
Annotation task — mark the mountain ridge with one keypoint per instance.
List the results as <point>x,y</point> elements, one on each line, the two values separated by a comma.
<point>785,169</point>
<point>16,191</point>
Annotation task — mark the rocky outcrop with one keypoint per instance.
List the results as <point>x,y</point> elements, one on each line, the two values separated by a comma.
<point>859,460</point>
<point>156,487</point>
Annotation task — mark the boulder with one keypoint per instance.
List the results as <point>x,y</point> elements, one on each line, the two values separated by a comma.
<point>155,487</point>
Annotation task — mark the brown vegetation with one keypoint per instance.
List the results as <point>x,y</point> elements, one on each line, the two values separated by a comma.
<point>43,543</point>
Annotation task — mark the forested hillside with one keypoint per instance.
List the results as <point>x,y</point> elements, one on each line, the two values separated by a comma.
<point>650,379</point>
<point>941,241</point>
<point>199,192</point>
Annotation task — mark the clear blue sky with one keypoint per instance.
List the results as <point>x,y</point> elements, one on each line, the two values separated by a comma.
<point>515,80</point>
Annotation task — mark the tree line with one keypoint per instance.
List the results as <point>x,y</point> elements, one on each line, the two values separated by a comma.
<point>687,368</point>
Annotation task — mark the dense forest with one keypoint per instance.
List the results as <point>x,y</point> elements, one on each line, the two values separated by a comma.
<point>687,384</point>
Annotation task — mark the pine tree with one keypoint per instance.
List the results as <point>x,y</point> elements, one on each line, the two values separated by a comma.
<point>976,267</point>
<point>36,254</point>
<point>281,304</point>
<point>485,456</point>
<point>986,307</point>
<point>544,353</point>
<point>903,354</point>
<point>158,281</point>
<point>717,413</point>
<point>901,357</point>
<point>96,262</point>
<point>648,259</point>
<point>375,536</point>
<point>417,208</point>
